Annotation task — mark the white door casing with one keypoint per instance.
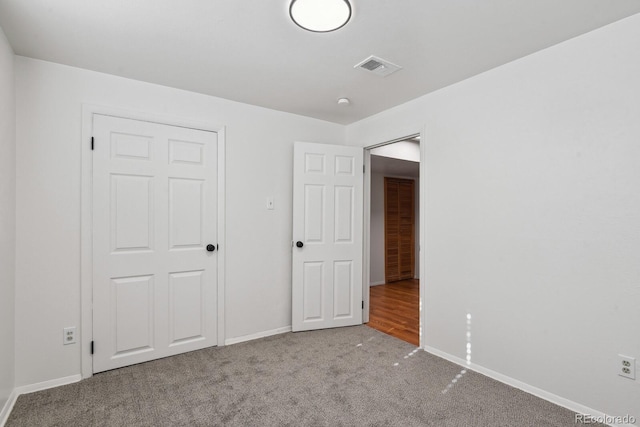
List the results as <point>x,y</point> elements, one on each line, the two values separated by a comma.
<point>154,213</point>
<point>327,222</point>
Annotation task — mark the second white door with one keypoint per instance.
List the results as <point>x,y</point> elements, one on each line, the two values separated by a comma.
<point>327,233</point>
<point>154,241</point>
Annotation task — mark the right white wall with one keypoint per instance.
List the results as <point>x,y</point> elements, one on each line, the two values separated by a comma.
<point>533,215</point>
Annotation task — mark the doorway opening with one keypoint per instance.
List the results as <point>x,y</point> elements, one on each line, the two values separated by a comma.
<point>393,246</point>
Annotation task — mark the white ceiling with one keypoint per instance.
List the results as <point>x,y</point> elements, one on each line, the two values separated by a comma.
<point>394,167</point>
<point>250,51</point>
<point>403,150</point>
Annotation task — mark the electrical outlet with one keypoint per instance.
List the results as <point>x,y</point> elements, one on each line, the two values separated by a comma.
<point>69,335</point>
<point>627,366</point>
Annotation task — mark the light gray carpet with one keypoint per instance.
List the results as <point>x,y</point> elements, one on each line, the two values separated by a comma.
<point>348,376</point>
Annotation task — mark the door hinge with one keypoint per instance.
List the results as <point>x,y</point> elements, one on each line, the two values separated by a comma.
<point>363,305</point>
<point>91,143</point>
<point>362,168</point>
<point>92,347</point>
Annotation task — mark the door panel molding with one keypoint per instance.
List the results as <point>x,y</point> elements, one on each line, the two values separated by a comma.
<point>181,155</point>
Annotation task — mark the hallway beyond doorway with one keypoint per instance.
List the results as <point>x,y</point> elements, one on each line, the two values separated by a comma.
<point>394,309</point>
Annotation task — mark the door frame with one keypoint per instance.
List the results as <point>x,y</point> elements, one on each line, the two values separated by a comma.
<point>366,260</point>
<point>86,218</point>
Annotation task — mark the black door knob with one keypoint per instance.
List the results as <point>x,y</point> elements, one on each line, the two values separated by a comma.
<point>299,244</point>
<point>211,248</point>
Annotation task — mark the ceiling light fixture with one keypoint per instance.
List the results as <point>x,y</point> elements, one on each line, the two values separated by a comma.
<point>320,16</point>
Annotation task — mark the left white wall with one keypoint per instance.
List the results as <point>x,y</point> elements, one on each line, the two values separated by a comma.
<point>7,217</point>
<point>259,145</point>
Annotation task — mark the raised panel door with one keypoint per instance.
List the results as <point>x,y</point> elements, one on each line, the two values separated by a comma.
<point>154,212</point>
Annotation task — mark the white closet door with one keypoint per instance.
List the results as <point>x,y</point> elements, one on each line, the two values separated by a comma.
<point>154,215</point>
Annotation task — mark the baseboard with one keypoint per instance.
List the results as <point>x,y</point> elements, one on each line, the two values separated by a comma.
<point>377,283</point>
<point>8,406</point>
<point>255,336</point>
<point>542,394</point>
<point>31,388</point>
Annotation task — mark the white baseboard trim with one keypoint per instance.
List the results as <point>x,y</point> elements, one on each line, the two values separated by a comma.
<point>8,406</point>
<point>257,335</point>
<point>30,388</point>
<point>377,283</point>
<point>542,394</point>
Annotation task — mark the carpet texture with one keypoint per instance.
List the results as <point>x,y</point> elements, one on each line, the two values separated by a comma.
<point>339,377</point>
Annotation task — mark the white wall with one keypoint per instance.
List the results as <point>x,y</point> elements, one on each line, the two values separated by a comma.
<point>376,229</point>
<point>533,215</point>
<point>259,164</point>
<point>377,264</point>
<point>7,217</point>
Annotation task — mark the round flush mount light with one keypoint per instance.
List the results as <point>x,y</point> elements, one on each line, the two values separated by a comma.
<point>320,16</point>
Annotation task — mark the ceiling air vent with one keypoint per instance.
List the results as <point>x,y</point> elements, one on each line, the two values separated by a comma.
<point>378,66</point>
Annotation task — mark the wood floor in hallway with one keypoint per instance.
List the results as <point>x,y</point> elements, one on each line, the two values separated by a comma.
<point>394,310</point>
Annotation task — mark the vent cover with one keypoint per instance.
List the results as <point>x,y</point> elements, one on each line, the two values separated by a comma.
<point>378,66</point>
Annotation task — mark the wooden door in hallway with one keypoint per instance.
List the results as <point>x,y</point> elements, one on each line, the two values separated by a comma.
<point>399,229</point>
